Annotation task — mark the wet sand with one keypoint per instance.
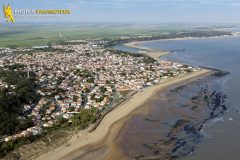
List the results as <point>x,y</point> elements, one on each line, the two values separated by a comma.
<point>99,143</point>
<point>83,143</point>
<point>154,53</point>
<point>171,126</point>
<point>151,127</point>
<point>147,51</point>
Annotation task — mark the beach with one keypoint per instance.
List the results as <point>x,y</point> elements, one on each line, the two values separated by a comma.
<point>74,147</point>
<point>147,51</point>
<point>156,53</point>
<point>99,143</point>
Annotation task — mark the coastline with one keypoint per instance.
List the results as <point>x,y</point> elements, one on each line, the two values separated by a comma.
<point>83,138</point>
<point>153,53</point>
<point>76,146</point>
<point>136,44</point>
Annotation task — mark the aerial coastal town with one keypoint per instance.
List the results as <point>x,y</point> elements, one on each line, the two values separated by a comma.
<point>80,75</point>
<point>119,79</point>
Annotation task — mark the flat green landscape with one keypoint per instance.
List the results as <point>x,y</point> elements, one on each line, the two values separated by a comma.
<point>42,34</point>
<point>31,35</point>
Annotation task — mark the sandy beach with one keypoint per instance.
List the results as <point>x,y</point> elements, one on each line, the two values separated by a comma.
<point>158,53</point>
<point>147,51</point>
<point>72,149</point>
<point>81,143</point>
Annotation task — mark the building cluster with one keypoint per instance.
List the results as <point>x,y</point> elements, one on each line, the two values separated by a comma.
<point>83,75</point>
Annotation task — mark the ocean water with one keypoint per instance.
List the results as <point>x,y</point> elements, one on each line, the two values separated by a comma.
<point>207,134</point>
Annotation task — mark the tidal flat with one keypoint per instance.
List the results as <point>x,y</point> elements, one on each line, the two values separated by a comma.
<point>170,125</point>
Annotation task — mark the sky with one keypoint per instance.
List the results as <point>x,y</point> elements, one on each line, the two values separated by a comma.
<point>136,11</point>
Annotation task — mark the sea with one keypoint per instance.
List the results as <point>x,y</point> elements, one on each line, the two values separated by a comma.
<point>195,121</point>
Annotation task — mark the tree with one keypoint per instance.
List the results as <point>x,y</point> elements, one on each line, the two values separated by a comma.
<point>85,118</point>
<point>75,98</point>
<point>7,146</point>
<point>103,89</point>
<point>90,80</point>
<point>12,101</point>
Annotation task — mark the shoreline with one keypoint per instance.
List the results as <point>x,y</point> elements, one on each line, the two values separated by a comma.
<point>155,53</point>
<point>137,43</point>
<point>83,138</point>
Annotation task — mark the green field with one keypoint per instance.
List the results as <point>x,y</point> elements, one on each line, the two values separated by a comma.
<point>31,35</point>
